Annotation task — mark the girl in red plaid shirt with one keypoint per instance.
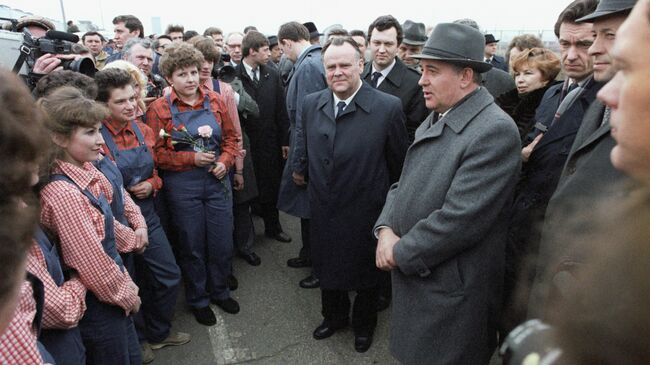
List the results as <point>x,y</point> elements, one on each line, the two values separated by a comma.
<point>75,206</point>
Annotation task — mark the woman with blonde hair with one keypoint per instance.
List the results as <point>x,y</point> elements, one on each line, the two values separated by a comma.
<point>534,71</point>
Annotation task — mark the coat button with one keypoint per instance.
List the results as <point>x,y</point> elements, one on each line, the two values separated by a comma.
<point>326,161</point>
<point>571,169</point>
<point>325,136</point>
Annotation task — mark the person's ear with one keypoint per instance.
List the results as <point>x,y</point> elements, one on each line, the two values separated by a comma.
<point>60,140</point>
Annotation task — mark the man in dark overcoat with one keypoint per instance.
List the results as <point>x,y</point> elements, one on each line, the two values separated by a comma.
<point>442,230</point>
<point>306,77</point>
<point>588,176</point>
<point>544,158</point>
<point>356,142</point>
<point>389,74</point>
<point>268,133</point>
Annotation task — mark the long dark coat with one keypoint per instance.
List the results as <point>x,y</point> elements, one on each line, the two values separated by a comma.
<point>268,132</point>
<point>402,82</point>
<point>307,76</point>
<point>352,162</point>
<point>588,177</point>
<point>540,175</point>
<point>521,108</point>
<point>447,211</point>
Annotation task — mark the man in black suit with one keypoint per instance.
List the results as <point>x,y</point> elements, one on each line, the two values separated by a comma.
<point>389,74</point>
<point>355,145</point>
<point>564,106</point>
<point>268,133</point>
<point>491,53</point>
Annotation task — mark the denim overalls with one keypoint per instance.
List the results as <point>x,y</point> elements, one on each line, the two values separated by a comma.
<point>201,210</point>
<point>108,334</point>
<point>157,274</point>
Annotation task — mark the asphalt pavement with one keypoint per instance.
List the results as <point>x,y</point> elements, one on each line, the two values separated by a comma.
<point>276,320</point>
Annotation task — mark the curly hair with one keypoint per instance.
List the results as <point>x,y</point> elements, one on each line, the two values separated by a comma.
<point>139,79</point>
<point>109,79</point>
<point>180,56</point>
<point>547,62</point>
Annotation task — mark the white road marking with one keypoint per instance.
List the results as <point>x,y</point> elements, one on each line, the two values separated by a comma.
<point>222,347</point>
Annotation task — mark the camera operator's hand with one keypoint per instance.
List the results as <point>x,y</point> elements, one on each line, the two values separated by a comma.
<point>50,62</point>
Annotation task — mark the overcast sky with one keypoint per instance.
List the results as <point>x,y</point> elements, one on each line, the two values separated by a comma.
<point>268,15</point>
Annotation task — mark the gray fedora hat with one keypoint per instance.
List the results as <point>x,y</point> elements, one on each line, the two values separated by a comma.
<point>607,8</point>
<point>414,33</point>
<point>456,43</point>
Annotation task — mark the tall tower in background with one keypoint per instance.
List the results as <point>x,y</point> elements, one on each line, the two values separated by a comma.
<point>156,28</point>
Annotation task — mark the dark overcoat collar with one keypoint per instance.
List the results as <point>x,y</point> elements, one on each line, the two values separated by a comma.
<point>363,100</point>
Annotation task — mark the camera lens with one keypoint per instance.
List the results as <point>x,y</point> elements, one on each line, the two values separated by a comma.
<point>83,65</point>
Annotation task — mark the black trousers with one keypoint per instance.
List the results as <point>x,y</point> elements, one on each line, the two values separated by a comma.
<point>305,250</point>
<point>336,309</point>
<point>243,232</point>
<point>271,218</point>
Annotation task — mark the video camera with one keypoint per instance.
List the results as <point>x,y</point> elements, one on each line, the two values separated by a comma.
<point>532,342</point>
<point>19,51</point>
<point>225,73</point>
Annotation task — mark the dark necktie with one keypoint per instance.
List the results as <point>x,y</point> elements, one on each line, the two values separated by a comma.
<point>255,79</point>
<point>572,87</point>
<point>375,77</point>
<point>339,108</point>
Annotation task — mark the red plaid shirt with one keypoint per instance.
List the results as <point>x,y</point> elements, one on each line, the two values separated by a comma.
<point>159,117</point>
<point>125,138</point>
<point>80,227</point>
<point>18,342</point>
<point>65,304</point>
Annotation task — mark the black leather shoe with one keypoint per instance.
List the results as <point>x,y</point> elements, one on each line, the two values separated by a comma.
<point>232,282</point>
<point>228,305</point>
<point>362,342</point>
<point>280,236</point>
<point>298,262</point>
<point>309,282</point>
<point>326,330</point>
<point>251,258</point>
<point>383,302</point>
<point>204,316</point>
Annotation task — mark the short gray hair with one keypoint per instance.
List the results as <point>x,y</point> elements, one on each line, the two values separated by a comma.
<point>144,42</point>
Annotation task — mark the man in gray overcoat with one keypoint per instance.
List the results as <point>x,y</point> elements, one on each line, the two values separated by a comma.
<point>356,142</point>
<point>442,231</point>
<point>306,77</point>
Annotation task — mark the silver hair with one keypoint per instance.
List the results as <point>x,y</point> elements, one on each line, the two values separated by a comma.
<point>144,42</point>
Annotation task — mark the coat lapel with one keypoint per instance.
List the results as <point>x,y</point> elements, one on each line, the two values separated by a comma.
<point>457,118</point>
<point>326,105</point>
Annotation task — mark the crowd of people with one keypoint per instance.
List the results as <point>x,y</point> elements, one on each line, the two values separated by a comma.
<point>489,202</point>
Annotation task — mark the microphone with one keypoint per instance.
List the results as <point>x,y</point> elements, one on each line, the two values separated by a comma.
<point>55,34</point>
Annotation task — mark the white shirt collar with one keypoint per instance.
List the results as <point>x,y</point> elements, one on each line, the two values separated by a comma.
<point>347,101</point>
<point>384,73</point>
<point>249,69</point>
